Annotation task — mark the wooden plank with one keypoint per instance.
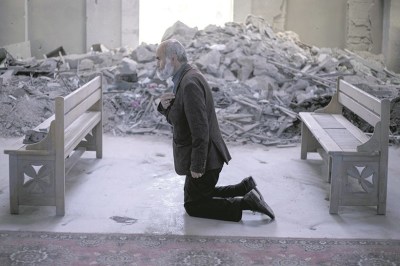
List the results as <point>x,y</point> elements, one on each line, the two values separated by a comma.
<point>365,99</point>
<point>83,92</point>
<point>369,116</point>
<point>319,133</point>
<point>82,107</point>
<point>59,176</point>
<point>78,130</point>
<point>327,121</point>
<point>344,139</point>
<point>355,131</point>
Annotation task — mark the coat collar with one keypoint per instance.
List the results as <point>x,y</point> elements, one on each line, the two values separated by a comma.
<point>177,78</point>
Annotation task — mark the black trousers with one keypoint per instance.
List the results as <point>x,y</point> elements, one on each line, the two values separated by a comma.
<point>204,199</point>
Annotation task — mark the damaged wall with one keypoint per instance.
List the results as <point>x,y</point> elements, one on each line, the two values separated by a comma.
<point>365,24</point>
<point>391,40</point>
<point>308,18</point>
<point>353,24</point>
<point>273,11</point>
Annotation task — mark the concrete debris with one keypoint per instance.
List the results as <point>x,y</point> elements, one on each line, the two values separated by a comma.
<point>56,52</point>
<point>33,136</point>
<point>260,81</point>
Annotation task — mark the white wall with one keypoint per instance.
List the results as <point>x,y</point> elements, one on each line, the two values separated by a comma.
<point>54,23</point>
<point>12,22</point>
<point>103,23</point>
<point>318,22</point>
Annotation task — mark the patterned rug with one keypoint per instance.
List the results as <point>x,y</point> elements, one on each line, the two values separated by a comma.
<point>45,248</point>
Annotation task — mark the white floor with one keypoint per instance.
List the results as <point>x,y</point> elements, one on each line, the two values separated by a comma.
<point>134,189</point>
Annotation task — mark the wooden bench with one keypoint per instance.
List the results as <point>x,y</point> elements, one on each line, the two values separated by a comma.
<point>37,171</point>
<point>357,162</point>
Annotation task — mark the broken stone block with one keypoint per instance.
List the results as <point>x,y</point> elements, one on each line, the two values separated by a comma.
<point>56,52</point>
<point>86,64</point>
<point>19,51</point>
<point>246,67</point>
<point>210,62</point>
<point>33,136</point>
<point>98,47</point>
<point>143,55</point>
<point>180,32</point>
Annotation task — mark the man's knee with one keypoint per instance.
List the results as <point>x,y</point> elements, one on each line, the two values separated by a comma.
<point>190,209</point>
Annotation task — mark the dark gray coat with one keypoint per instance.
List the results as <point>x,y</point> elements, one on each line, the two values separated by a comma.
<point>197,142</point>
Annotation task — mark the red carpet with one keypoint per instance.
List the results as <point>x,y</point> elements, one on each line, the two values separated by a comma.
<point>44,248</point>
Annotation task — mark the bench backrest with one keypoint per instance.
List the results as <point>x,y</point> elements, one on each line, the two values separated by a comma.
<point>87,97</point>
<point>373,110</point>
<point>67,110</point>
<point>366,106</point>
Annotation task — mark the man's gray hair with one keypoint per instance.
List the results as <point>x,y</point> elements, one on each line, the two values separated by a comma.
<point>172,47</point>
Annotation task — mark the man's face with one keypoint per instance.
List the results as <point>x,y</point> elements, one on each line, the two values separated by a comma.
<point>167,71</point>
<point>165,68</point>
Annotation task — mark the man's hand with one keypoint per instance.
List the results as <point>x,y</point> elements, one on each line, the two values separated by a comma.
<point>166,99</point>
<point>196,175</point>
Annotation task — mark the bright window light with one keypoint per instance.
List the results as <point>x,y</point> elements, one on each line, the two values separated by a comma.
<point>155,16</point>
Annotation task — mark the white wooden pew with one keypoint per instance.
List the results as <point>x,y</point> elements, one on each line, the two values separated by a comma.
<point>37,171</point>
<point>357,163</point>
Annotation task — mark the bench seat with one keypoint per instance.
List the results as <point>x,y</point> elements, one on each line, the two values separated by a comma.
<point>335,133</point>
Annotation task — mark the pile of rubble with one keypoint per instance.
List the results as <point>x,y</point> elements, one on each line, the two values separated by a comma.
<point>260,81</point>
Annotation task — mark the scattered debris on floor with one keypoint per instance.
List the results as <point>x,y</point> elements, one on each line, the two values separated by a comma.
<point>124,220</point>
<point>260,81</point>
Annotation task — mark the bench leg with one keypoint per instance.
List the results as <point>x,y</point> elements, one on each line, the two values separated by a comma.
<point>329,169</point>
<point>305,136</point>
<point>13,170</point>
<point>308,142</point>
<point>60,185</point>
<point>381,208</point>
<point>382,189</point>
<point>336,184</point>
<point>98,135</point>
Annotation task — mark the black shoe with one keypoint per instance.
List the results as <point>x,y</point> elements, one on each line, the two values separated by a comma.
<point>249,184</point>
<point>253,199</point>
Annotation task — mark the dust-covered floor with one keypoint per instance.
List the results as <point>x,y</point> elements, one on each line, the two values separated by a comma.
<point>133,189</point>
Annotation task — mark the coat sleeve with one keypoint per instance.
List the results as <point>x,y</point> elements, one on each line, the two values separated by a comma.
<point>196,114</point>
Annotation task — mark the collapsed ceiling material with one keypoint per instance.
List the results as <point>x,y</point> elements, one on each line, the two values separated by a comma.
<point>260,81</point>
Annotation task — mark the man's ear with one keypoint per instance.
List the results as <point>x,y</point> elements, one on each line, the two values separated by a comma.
<point>174,59</point>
